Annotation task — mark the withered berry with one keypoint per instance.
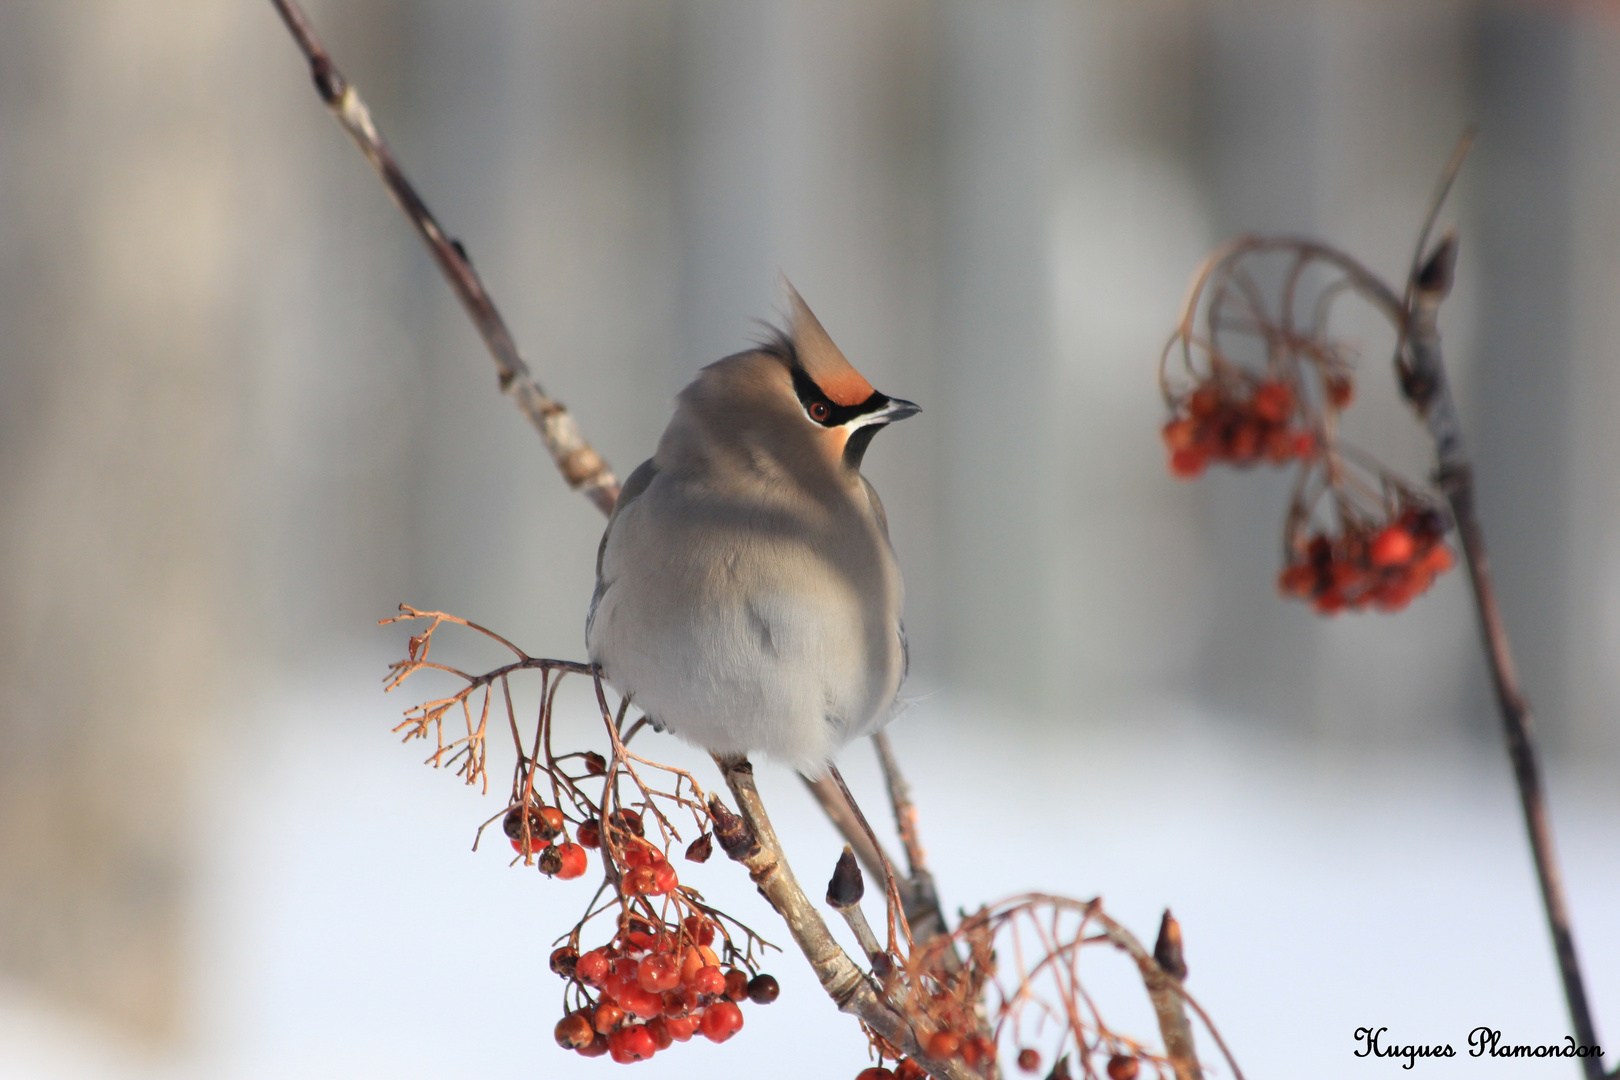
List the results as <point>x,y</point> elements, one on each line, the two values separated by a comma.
<point>763,989</point>
<point>564,961</point>
<point>575,1031</point>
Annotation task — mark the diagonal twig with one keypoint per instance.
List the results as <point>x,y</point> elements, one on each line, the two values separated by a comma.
<point>850,991</point>
<point>581,466</point>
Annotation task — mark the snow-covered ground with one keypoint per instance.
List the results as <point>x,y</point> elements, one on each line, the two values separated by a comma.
<point>343,928</point>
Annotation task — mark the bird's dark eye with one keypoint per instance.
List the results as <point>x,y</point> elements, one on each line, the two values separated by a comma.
<point>819,411</point>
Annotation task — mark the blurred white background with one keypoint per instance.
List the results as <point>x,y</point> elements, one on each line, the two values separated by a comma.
<point>241,418</point>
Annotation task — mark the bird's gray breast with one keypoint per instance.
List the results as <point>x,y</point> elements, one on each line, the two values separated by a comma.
<point>730,607</point>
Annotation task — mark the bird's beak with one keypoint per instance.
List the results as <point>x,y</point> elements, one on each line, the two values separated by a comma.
<point>895,409</point>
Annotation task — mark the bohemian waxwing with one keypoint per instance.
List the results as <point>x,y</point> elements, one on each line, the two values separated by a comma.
<point>747,597</point>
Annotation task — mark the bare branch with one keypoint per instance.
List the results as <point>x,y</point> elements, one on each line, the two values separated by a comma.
<point>849,989</point>
<point>1423,379</point>
<point>581,466</point>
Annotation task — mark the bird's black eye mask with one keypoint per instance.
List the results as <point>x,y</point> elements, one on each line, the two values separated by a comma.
<point>826,412</point>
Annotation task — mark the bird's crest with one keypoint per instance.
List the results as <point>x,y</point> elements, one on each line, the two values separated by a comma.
<point>821,359</point>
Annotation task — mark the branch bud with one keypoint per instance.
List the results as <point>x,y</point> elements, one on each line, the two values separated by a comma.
<point>847,885</point>
<point>736,839</point>
<point>1167,950</point>
<point>1435,276</point>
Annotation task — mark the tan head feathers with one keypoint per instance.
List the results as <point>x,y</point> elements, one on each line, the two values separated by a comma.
<point>821,359</point>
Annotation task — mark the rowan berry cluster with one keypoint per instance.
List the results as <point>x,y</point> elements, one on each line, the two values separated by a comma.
<point>1261,379</point>
<point>1236,419</point>
<point>1379,564</point>
<point>652,986</point>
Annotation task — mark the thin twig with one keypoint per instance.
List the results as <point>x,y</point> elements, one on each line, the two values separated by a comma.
<point>581,466</point>
<point>923,910</point>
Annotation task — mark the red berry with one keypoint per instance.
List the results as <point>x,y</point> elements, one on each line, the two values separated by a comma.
<point>574,1031</point>
<point>641,853</point>
<point>593,967</point>
<point>607,1017</point>
<point>1186,464</point>
<point>598,1046</point>
<point>536,844</point>
<point>721,1021</point>
<point>1393,546</point>
<point>678,1002</point>
<point>709,980</point>
<point>1122,1067</point>
<point>763,989</point>
<point>631,1044</point>
<point>1340,390</point>
<point>976,1048</point>
<point>589,834</point>
<point>874,1073</point>
<point>1181,434</point>
<point>658,1028</point>
<point>571,861</point>
<point>659,972</point>
<point>1436,561</point>
<point>1029,1059</point>
<point>1297,580</point>
<point>1273,402</point>
<point>908,1069</point>
<point>595,763</point>
<point>681,1028</point>
<point>944,1044</point>
<point>737,984</point>
<point>641,1002</point>
<point>664,879</point>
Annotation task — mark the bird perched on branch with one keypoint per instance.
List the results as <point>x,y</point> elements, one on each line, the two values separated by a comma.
<point>747,598</point>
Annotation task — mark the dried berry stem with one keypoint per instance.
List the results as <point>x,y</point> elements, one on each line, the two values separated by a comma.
<point>849,989</point>
<point>581,466</point>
